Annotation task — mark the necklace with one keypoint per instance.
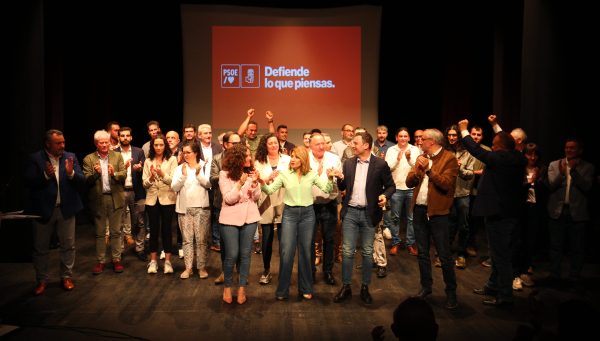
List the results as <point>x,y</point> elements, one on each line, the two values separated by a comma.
<point>273,160</point>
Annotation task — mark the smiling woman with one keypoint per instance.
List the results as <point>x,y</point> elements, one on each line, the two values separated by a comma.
<point>191,182</point>
<point>298,221</point>
<point>160,199</point>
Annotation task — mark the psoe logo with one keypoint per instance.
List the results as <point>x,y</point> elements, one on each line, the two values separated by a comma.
<point>230,75</point>
<point>250,75</point>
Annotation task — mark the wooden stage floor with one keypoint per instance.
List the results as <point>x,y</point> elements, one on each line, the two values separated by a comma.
<point>136,305</point>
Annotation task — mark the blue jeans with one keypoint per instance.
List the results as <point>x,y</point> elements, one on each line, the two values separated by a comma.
<point>499,232</point>
<point>326,219</point>
<point>297,226</point>
<point>459,223</point>
<point>436,228</point>
<point>238,245</point>
<point>401,199</point>
<point>357,224</point>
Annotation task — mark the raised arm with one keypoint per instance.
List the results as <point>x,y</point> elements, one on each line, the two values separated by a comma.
<point>242,129</point>
<point>494,123</point>
<point>269,115</point>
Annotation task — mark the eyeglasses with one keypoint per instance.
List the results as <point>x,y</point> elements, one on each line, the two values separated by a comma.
<point>418,137</point>
<point>349,130</point>
<point>234,142</point>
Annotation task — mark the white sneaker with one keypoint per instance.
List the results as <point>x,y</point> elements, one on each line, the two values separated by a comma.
<point>265,278</point>
<point>168,267</point>
<point>517,285</point>
<point>180,253</point>
<point>152,267</point>
<point>162,254</point>
<point>387,234</point>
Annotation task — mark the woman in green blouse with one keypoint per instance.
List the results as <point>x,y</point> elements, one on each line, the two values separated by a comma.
<point>298,220</point>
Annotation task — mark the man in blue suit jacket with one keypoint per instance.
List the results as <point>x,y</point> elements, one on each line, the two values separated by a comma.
<point>500,201</point>
<point>54,178</point>
<point>368,182</point>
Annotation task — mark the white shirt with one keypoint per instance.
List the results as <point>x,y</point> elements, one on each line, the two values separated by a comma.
<point>56,163</point>
<point>400,168</point>
<point>424,189</point>
<point>207,152</point>
<point>192,190</point>
<point>359,193</point>
<point>126,157</point>
<point>329,160</point>
<point>568,189</point>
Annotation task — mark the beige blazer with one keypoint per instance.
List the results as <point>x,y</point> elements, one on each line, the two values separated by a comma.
<point>94,180</point>
<point>160,188</point>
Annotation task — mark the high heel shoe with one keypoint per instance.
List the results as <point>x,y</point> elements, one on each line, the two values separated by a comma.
<point>241,295</point>
<point>227,295</point>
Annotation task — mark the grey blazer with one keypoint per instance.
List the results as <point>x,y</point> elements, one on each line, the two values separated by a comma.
<point>582,179</point>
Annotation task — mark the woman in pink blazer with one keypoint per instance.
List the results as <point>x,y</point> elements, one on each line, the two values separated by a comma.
<point>239,216</point>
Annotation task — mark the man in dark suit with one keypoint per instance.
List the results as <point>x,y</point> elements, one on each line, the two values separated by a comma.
<point>285,146</point>
<point>207,148</point>
<point>500,200</point>
<point>54,179</point>
<point>368,182</point>
<point>135,194</point>
<point>105,173</point>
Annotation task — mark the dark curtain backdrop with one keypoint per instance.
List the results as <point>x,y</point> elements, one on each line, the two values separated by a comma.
<point>77,65</point>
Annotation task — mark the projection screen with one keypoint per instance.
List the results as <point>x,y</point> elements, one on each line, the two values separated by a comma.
<point>313,68</point>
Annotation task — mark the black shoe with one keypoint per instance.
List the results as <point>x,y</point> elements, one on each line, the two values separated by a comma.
<point>497,302</point>
<point>451,302</point>
<point>381,271</point>
<point>485,291</point>
<point>281,298</point>
<point>345,292</point>
<point>364,294</point>
<point>329,279</point>
<point>423,293</point>
<point>142,256</point>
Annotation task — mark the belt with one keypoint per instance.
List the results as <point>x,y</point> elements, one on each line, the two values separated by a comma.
<point>360,208</point>
<point>128,189</point>
<point>326,202</point>
<point>422,206</point>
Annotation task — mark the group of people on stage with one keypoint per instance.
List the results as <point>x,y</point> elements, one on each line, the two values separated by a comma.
<point>324,200</point>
